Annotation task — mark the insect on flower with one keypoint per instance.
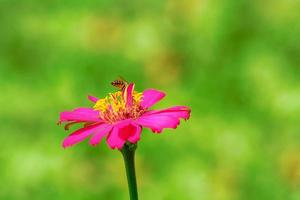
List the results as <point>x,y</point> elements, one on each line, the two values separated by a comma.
<point>120,83</point>
<point>120,116</point>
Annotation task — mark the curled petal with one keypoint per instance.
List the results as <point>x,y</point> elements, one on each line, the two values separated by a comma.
<point>68,125</point>
<point>81,134</point>
<point>113,140</point>
<point>93,99</point>
<point>96,138</point>
<point>122,132</point>
<point>80,115</point>
<point>151,97</point>
<point>130,132</point>
<point>127,94</point>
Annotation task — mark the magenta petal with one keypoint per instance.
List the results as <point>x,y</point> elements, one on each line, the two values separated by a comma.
<point>136,136</point>
<point>80,114</point>
<point>124,131</point>
<point>175,111</point>
<point>150,97</point>
<point>130,132</point>
<point>96,138</point>
<point>113,139</point>
<point>93,99</point>
<point>81,134</point>
<point>127,94</point>
<point>158,122</point>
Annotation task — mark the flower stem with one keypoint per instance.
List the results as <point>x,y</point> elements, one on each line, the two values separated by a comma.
<point>128,152</point>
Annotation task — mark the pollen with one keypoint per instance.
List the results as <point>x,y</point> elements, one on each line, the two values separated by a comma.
<point>113,107</point>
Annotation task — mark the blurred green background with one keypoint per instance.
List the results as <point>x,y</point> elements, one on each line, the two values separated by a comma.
<point>236,63</point>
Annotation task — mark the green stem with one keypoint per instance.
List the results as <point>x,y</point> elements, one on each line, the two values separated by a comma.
<point>128,151</point>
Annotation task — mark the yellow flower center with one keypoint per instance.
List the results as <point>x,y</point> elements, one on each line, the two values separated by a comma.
<point>113,107</point>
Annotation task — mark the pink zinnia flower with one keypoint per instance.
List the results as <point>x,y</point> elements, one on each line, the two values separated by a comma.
<point>120,117</point>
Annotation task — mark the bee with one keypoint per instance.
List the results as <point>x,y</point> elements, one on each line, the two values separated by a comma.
<point>120,83</point>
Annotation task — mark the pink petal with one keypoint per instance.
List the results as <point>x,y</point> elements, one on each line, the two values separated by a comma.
<point>130,132</point>
<point>79,115</point>
<point>124,131</point>
<point>150,97</point>
<point>81,134</point>
<point>158,122</point>
<point>114,141</point>
<point>96,138</point>
<point>93,99</point>
<point>175,111</point>
<point>127,94</point>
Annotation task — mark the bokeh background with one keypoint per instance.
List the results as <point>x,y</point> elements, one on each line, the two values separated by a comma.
<point>236,63</point>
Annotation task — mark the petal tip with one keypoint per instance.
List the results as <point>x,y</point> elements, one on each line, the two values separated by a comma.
<point>65,145</point>
<point>92,98</point>
<point>151,97</point>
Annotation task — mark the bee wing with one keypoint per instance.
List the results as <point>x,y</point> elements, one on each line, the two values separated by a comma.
<point>122,79</point>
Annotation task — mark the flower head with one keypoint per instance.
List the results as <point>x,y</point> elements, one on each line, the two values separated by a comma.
<point>120,117</point>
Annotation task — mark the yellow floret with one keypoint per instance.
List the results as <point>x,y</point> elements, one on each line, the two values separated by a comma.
<point>116,102</point>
